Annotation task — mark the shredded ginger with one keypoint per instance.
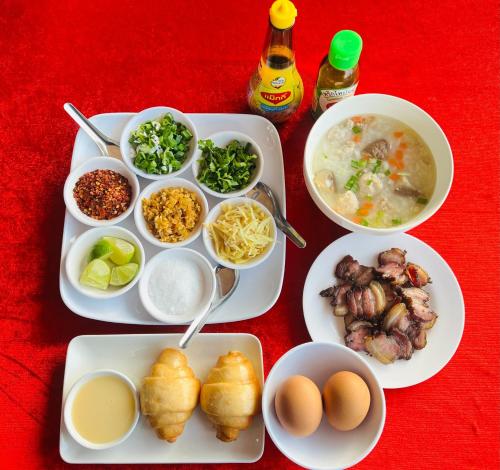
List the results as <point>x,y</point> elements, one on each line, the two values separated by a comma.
<point>241,233</point>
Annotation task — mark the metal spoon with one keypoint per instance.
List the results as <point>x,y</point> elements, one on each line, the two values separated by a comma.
<point>264,194</point>
<point>227,281</point>
<point>108,146</point>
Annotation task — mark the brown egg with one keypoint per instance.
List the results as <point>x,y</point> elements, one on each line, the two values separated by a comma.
<point>347,400</point>
<point>298,406</point>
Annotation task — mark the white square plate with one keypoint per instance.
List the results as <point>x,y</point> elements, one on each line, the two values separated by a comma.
<point>266,279</point>
<point>133,355</point>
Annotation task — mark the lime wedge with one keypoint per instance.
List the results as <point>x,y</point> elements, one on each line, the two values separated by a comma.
<point>123,251</point>
<point>102,250</point>
<point>122,275</point>
<point>96,274</point>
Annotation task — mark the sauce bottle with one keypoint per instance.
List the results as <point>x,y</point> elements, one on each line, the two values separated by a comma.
<point>275,89</point>
<point>338,74</point>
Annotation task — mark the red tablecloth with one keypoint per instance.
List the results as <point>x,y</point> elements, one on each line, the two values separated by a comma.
<point>197,56</point>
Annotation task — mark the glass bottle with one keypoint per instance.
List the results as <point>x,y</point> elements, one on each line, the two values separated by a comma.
<point>338,74</point>
<point>275,89</point>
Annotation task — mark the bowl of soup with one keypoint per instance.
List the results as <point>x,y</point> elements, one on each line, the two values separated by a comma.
<point>377,164</point>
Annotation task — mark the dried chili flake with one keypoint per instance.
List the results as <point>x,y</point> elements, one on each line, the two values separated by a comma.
<point>102,194</point>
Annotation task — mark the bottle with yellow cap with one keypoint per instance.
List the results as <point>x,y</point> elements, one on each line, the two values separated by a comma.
<point>275,89</point>
<point>338,74</point>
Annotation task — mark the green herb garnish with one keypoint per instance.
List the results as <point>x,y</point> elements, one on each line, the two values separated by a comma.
<point>356,129</point>
<point>226,169</point>
<point>422,200</point>
<point>387,172</point>
<point>358,164</point>
<point>376,166</point>
<point>364,222</point>
<point>369,182</point>
<point>396,221</point>
<point>352,183</point>
<point>160,145</point>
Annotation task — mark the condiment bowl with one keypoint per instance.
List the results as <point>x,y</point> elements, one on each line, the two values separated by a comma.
<point>156,186</point>
<point>395,108</point>
<point>326,448</point>
<point>70,399</point>
<point>173,255</point>
<point>149,114</point>
<point>99,163</point>
<point>77,258</point>
<point>222,139</point>
<point>212,217</point>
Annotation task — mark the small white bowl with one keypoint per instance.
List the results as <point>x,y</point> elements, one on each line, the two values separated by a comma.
<point>184,254</point>
<point>326,448</point>
<point>149,114</point>
<point>76,260</point>
<point>214,214</point>
<point>141,224</point>
<point>399,109</point>
<point>222,139</point>
<point>70,399</point>
<point>99,163</point>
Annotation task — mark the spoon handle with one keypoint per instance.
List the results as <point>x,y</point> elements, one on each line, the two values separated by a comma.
<point>197,324</point>
<point>101,140</point>
<point>291,233</point>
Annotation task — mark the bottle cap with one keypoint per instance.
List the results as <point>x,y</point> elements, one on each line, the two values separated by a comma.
<point>282,14</point>
<point>345,49</point>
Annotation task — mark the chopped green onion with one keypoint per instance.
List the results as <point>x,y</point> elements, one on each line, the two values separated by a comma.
<point>356,129</point>
<point>377,166</point>
<point>365,222</point>
<point>387,172</point>
<point>352,182</point>
<point>422,200</point>
<point>369,182</point>
<point>357,164</point>
<point>396,221</point>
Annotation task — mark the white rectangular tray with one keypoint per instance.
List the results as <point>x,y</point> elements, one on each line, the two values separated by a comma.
<point>133,355</point>
<point>259,287</point>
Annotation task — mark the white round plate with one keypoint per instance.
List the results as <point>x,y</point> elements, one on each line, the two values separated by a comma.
<point>446,299</point>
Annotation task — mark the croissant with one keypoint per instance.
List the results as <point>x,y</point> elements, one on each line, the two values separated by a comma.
<point>231,395</point>
<point>170,394</point>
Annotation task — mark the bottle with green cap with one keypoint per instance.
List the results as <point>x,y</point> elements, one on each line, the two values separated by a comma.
<point>338,74</point>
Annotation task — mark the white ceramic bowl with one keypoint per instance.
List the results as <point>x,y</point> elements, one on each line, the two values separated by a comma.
<point>222,139</point>
<point>326,448</point>
<point>150,114</point>
<point>184,254</point>
<point>399,109</point>
<point>99,163</point>
<point>68,407</point>
<point>76,260</point>
<point>140,222</point>
<point>214,214</point>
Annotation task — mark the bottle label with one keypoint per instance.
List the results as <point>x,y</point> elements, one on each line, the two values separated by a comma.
<point>277,89</point>
<point>324,98</point>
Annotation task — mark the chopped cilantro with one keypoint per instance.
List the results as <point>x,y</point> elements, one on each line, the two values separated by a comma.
<point>369,182</point>
<point>356,129</point>
<point>226,169</point>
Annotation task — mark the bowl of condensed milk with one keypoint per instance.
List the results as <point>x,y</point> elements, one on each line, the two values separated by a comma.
<point>101,409</point>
